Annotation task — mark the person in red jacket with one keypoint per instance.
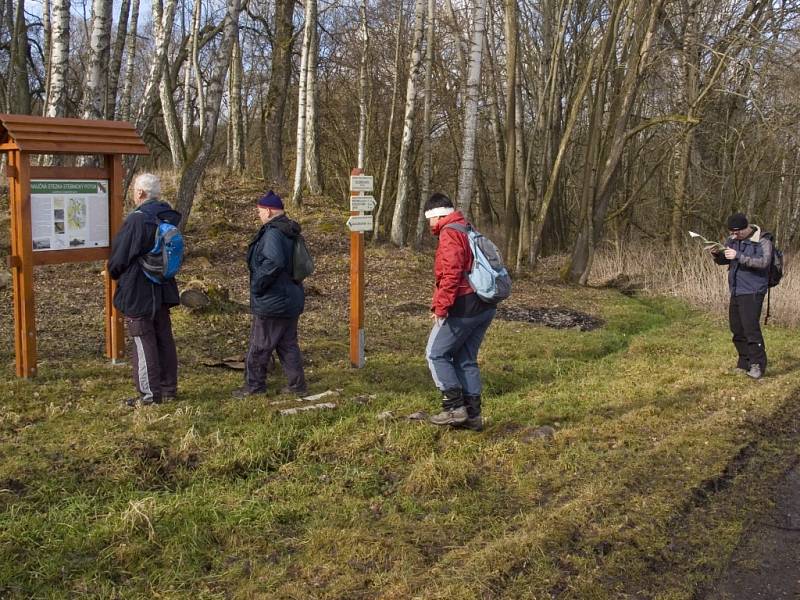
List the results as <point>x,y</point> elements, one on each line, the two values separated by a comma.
<point>460,320</point>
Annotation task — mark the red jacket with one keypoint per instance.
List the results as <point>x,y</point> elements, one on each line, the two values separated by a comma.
<point>453,260</point>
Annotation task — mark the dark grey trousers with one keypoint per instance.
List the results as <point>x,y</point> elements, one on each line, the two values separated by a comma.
<point>268,334</point>
<point>153,356</point>
<point>744,313</point>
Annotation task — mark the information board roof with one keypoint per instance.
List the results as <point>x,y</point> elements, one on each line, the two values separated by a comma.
<point>69,136</point>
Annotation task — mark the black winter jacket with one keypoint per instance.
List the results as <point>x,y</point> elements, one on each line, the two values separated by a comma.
<point>136,295</point>
<point>273,292</point>
<point>748,273</point>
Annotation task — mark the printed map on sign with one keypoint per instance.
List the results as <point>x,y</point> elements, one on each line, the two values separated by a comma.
<point>69,214</point>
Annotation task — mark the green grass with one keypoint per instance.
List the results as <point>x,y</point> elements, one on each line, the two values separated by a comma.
<point>213,498</point>
<point>659,459</point>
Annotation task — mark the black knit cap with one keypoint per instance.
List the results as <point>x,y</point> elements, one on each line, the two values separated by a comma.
<point>737,221</point>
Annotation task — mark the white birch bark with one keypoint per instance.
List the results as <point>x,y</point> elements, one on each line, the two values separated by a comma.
<point>55,105</point>
<point>188,73</point>
<point>466,174</point>
<point>237,119</point>
<point>313,170</point>
<point>398,234</point>
<point>99,55</point>
<point>363,89</point>
<point>170,117</point>
<point>198,76</point>
<point>163,19</point>
<point>130,61</point>
<point>47,50</point>
<point>427,147</point>
<point>220,64</point>
<point>300,150</point>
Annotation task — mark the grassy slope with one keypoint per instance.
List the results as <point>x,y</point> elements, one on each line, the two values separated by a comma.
<point>658,455</point>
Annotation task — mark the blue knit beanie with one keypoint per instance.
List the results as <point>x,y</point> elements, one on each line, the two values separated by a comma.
<point>271,200</point>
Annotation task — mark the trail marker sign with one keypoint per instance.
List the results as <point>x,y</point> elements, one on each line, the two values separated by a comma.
<point>360,223</point>
<point>361,183</point>
<point>362,203</point>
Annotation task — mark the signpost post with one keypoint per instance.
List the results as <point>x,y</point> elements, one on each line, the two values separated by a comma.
<point>62,214</point>
<point>358,224</point>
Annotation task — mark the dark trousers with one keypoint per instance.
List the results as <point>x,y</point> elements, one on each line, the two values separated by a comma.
<point>744,314</point>
<point>268,334</point>
<point>153,356</point>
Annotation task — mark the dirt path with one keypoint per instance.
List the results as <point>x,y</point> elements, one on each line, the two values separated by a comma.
<point>767,565</point>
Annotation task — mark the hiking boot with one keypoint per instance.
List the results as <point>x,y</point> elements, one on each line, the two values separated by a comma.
<point>241,393</point>
<point>139,401</point>
<point>451,416</point>
<point>472,423</point>
<point>755,372</point>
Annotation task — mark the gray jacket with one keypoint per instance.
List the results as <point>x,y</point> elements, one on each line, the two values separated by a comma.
<point>748,273</point>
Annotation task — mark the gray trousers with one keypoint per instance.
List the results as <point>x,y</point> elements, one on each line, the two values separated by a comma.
<point>154,357</point>
<point>268,334</point>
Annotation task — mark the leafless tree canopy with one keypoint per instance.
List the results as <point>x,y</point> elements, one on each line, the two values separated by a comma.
<point>559,125</point>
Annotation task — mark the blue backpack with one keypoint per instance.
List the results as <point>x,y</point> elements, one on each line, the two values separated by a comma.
<point>165,258</point>
<point>489,276</point>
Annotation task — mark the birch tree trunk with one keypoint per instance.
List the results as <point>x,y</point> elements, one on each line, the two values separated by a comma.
<point>47,49</point>
<point>427,146</point>
<point>195,167</point>
<point>275,105</point>
<point>466,174</point>
<point>115,65</point>
<point>383,201</point>
<point>55,104</point>
<point>313,168</point>
<point>363,90</point>
<point>130,61</point>
<point>166,92</point>
<point>188,74</point>
<point>398,235</point>
<point>99,55</point>
<point>236,119</point>
<point>300,148</point>
<point>163,17</point>
<point>198,74</point>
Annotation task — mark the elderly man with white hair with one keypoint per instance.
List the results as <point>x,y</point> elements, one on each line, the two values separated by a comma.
<point>144,303</point>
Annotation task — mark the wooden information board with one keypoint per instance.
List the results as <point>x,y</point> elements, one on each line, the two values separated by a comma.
<point>69,203</point>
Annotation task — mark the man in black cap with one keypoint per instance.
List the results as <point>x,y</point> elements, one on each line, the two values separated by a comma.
<point>144,303</point>
<point>748,254</point>
<point>276,301</point>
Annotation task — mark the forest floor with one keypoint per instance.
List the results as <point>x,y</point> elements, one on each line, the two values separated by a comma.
<point>621,459</point>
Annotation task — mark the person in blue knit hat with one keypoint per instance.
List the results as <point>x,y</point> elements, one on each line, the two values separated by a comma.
<point>276,301</point>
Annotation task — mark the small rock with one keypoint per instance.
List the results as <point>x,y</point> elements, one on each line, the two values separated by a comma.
<point>420,415</point>
<point>5,279</point>
<point>194,299</point>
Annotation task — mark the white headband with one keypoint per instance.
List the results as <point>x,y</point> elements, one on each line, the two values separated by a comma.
<point>442,211</point>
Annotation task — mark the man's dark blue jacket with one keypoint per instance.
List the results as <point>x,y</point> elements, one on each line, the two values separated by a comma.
<point>136,295</point>
<point>273,292</point>
<point>748,273</point>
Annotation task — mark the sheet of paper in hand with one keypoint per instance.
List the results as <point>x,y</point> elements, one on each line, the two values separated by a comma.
<point>707,244</point>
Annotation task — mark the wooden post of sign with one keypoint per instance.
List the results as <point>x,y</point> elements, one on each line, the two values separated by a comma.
<point>357,338</point>
<point>115,334</point>
<point>22,263</point>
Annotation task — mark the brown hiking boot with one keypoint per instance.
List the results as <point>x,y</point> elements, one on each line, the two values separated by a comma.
<point>452,416</point>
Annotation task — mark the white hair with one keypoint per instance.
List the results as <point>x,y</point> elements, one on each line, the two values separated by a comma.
<point>147,182</point>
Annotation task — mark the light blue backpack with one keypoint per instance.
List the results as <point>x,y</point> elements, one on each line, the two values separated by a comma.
<point>489,276</point>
